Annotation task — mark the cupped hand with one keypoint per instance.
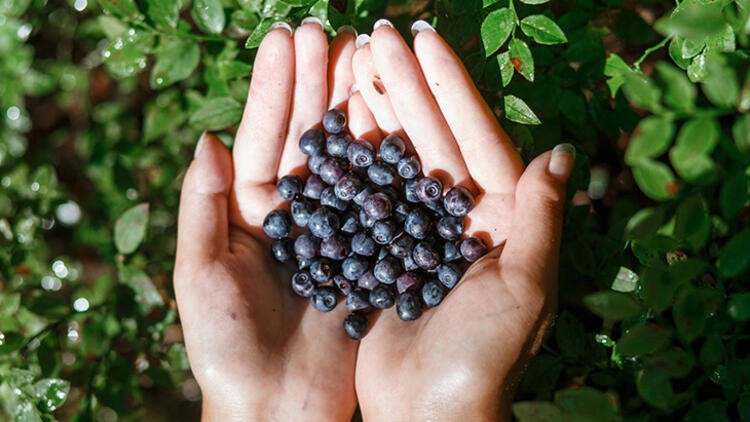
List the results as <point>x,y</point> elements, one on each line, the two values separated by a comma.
<point>462,358</point>
<point>257,351</point>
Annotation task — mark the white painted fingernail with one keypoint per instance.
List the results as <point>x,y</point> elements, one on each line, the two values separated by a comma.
<point>419,26</point>
<point>346,29</point>
<point>362,40</point>
<point>381,22</point>
<point>562,160</point>
<point>312,19</point>
<point>200,145</point>
<point>354,89</point>
<point>282,24</point>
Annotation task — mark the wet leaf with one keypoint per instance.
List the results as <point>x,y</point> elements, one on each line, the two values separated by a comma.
<point>178,58</point>
<point>612,305</point>
<point>655,179</point>
<point>542,30</point>
<point>521,58</point>
<point>209,15</point>
<point>130,228</point>
<point>496,29</point>
<point>518,111</point>
<point>51,393</point>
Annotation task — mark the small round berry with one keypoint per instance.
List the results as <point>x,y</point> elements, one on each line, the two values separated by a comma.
<point>324,298</point>
<point>350,222</point>
<point>304,263</point>
<point>449,274</point>
<point>337,144</point>
<point>382,297</point>
<point>363,245</point>
<point>377,206</point>
<point>450,252</point>
<point>426,256</point>
<point>428,189</point>
<point>472,249</point>
<point>323,223</point>
<point>392,149</point>
<point>458,201</point>
<point>328,198</point>
<point>436,208</point>
<point>367,281</point>
<point>361,153</point>
<point>306,246</point>
<point>334,121</point>
<point>334,247</point>
<point>359,199</point>
<point>303,284</point>
<point>289,186</point>
<point>382,253</point>
<point>314,163</point>
<point>432,293</point>
<point>355,326</point>
<point>283,249</point>
<point>417,224</point>
<point>344,285</point>
<point>321,270</point>
<point>348,187</point>
<point>277,224</point>
<point>408,281</point>
<point>302,209</point>
<point>408,307</point>
<point>358,300</point>
<point>365,220</point>
<point>450,227</point>
<point>332,170</point>
<point>410,191</point>
<point>402,246</point>
<point>384,231</point>
<point>381,173</point>
<point>312,142</point>
<point>388,269</point>
<point>400,211</point>
<point>409,167</point>
<point>353,267</point>
<point>313,187</point>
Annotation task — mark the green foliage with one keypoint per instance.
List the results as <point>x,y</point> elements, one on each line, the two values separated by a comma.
<point>100,109</point>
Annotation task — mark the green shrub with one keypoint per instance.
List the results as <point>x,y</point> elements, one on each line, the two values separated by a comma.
<point>101,103</point>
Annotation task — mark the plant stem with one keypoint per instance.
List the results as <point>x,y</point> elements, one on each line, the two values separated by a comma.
<point>650,50</point>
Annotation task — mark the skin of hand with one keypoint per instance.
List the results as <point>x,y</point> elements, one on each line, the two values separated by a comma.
<point>257,351</point>
<point>464,358</point>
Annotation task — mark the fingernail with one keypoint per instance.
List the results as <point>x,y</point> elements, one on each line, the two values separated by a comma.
<point>362,40</point>
<point>562,160</point>
<point>354,89</point>
<point>200,145</point>
<point>419,26</point>
<point>346,29</point>
<point>312,19</point>
<point>381,22</point>
<point>282,24</point>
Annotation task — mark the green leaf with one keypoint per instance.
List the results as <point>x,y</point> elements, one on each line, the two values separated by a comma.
<point>615,68</point>
<point>679,93</point>
<point>163,13</point>
<point>121,8</point>
<point>735,256</point>
<point>699,136</point>
<point>655,179</point>
<point>126,55</point>
<point>696,71</point>
<point>739,306</point>
<point>723,41</point>
<point>130,228</point>
<point>720,83</point>
<point>51,393</point>
<point>692,225</point>
<point>733,194</point>
<point>625,281</point>
<point>654,387</point>
<point>644,223</point>
<point>570,336</point>
<point>693,168</point>
<point>573,106</point>
<point>253,41</point>
<point>146,293</point>
<point>612,305</point>
<point>650,139</point>
<point>209,15</point>
<point>692,20</point>
<point>675,362</point>
<point>643,340</point>
<point>741,133</point>
<point>178,58</point>
<point>496,28</point>
<point>217,113</point>
<point>585,404</point>
<point>691,309</point>
<point>532,411</point>
<point>506,68</point>
<point>517,111</point>
<point>10,341</point>
<point>675,52</point>
<point>542,30</point>
<point>521,58</point>
<point>641,91</point>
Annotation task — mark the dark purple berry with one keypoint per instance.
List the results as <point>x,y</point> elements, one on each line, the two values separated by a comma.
<point>417,224</point>
<point>392,148</point>
<point>302,209</point>
<point>409,264</point>
<point>409,167</point>
<point>358,300</point>
<point>388,269</point>
<point>348,187</point>
<point>314,163</point>
<point>363,245</point>
<point>426,256</point>
<point>365,220</point>
<point>361,153</point>
<point>353,267</point>
<point>359,199</point>
<point>304,263</point>
<point>382,297</point>
<point>321,270</point>
<point>428,189</point>
<point>402,246</point>
<point>408,306</point>
<point>408,281</point>
<point>306,246</point>
<point>410,190</point>
<point>458,201</point>
<point>449,274</point>
<point>377,206</point>
<point>450,228</point>
<point>473,249</point>
<point>334,247</point>
<point>324,298</point>
<point>400,211</point>
<point>382,253</point>
<point>303,284</point>
<point>313,187</point>
<point>312,142</point>
<point>332,170</point>
<point>381,173</point>
<point>344,285</point>
<point>355,326</point>
<point>277,224</point>
<point>351,223</point>
<point>450,252</point>
<point>283,249</point>
<point>328,198</point>
<point>367,281</point>
<point>289,186</point>
<point>334,121</point>
<point>323,223</point>
<point>432,293</point>
<point>337,144</point>
<point>383,231</point>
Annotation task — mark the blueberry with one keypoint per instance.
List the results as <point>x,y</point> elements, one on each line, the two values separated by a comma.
<point>382,297</point>
<point>334,247</point>
<point>417,224</point>
<point>314,163</point>
<point>408,307</point>
<point>304,263</point>
<point>350,222</point>
<point>410,190</point>
<point>367,281</point>
<point>383,231</point>
<point>400,211</point>
<point>277,224</point>
<point>363,245</point>
<point>321,270</point>
<point>289,186</point>
<point>409,264</point>
<point>377,206</point>
<point>353,267</point>
<point>306,246</point>
<point>328,198</point>
<point>348,187</point>
<point>426,256</point>
<point>436,208</point>
<point>388,269</point>
<point>344,285</point>
<point>408,281</point>
<point>458,201</point>
<point>450,228</point>
<point>323,223</point>
<point>359,199</point>
<point>302,209</point>
<point>432,293</point>
<point>365,220</point>
<point>332,170</point>
<point>450,252</point>
<point>428,189</point>
<point>303,284</point>
<point>401,246</point>
<point>337,144</point>
<point>473,249</point>
<point>313,187</point>
<point>361,153</point>
<point>381,173</point>
<point>334,121</point>
<point>283,249</point>
<point>324,298</point>
<point>449,274</point>
<point>382,252</point>
<point>392,149</point>
<point>409,167</point>
<point>355,326</point>
<point>312,142</point>
<point>358,300</point>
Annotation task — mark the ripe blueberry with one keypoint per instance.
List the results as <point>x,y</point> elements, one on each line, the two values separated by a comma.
<point>321,270</point>
<point>450,252</point>
<point>367,281</point>
<point>388,269</point>
<point>417,224</point>
<point>328,198</point>
<point>450,228</point>
<point>358,300</point>
<point>402,246</point>
<point>302,209</point>
<point>409,264</point>
<point>344,285</point>
<point>324,298</point>
<point>334,121</point>
<point>428,189</point>
<point>303,284</point>
<point>313,187</point>
<point>348,187</point>
<point>337,144</point>
<point>408,307</point>
<point>458,201</point>
<point>383,231</point>
<point>473,249</point>
<point>353,267</point>
<point>306,246</point>
<point>312,142</point>
<point>332,170</point>
<point>426,256</point>
<point>377,206</point>
<point>432,293</point>
<point>361,153</point>
<point>382,297</point>
<point>289,186</point>
<point>410,190</point>
<point>314,163</point>
<point>360,197</point>
<point>363,244</point>
<point>365,220</point>
<point>409,167</point>
<point>392,148</point>
<point>355,326</point>
<point>449,274</point>
<point>350,222</point>
<point>334,247</point>
<point>381,173</point>
<point>323,223</point>
<point>283,249</point>
<point>408,281</point>
<point>277,224</point>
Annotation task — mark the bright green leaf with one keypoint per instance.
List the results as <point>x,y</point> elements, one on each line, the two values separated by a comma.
<point>692,20</point>
<point>735,256</point>
<point>496,29</point>
<point>126,55</point>
<point>518,111</point>
<point>679,92</point>
<point>121,8</point>
<point>641,91</point>
<point>130,228</point>
<point>655,179</point>
<point>696,70</point>
<point>506,68</point>
<point>178,58</point>
<point>542,30</point>
<point>691,167</point>
<point>532,411</point>
<point>163,13</point>
<point>521,58</point>
<point>643,340</point>
<point>675,52</point>
<point>260,31</point>
<point>615,68</point>
<point>209,15</point>
<point>51,393</point>
<point>650,139</point>
<point>720,83</point>
<point>217,113</point>
<point>612,305</point>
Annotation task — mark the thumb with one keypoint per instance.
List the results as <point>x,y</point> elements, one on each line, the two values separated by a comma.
<point>533,246</point>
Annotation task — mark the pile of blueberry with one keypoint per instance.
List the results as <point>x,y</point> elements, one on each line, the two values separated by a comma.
<point>378,232</point>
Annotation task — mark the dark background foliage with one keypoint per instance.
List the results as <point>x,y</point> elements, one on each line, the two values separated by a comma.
<point>101,102</point>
